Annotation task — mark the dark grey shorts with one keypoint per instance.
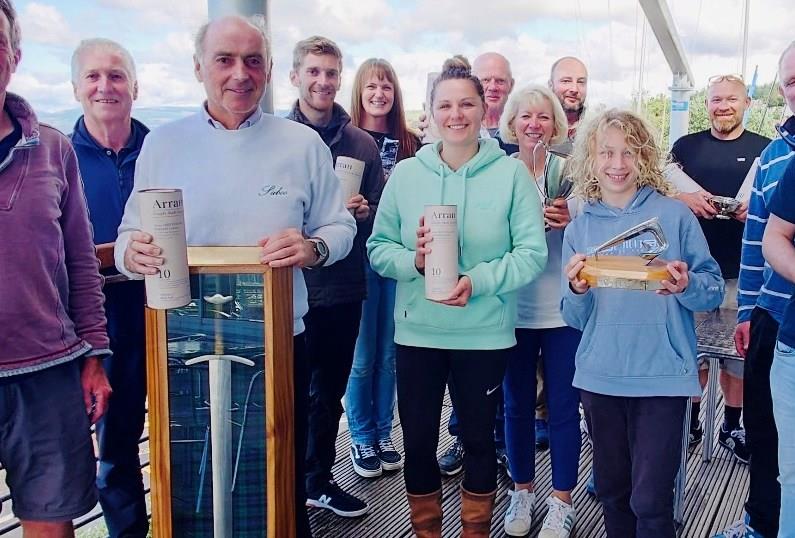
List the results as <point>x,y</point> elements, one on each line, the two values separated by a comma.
<point>45,444</point>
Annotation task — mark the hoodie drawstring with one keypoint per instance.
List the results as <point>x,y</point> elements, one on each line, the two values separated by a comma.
<point>461,210</point>
<point>460,216</point>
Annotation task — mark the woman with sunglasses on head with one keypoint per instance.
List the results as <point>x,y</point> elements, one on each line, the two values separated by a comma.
<point>534,119</point>
<point>468,335</point>
<point>377,107</point>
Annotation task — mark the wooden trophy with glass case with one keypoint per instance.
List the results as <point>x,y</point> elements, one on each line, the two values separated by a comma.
<point>625,262</point>
<point>220,382</point>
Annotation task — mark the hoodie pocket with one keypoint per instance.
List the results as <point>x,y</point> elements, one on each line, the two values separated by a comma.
<point>640,349</point>
<point>630,337</point>
<point>481,312</point>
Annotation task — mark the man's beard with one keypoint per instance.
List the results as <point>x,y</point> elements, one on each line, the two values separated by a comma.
<point>727,125</point>
<point>577,109</point>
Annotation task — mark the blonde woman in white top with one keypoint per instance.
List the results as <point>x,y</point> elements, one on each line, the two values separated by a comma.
<point>534,120</point>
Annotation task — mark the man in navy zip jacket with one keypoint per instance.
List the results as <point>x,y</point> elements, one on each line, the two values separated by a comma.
<point>107,142</point>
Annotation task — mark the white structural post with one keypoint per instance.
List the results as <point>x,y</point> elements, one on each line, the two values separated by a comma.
<point>681,90</point>
<point>662,24</point>
<point>245,8</point>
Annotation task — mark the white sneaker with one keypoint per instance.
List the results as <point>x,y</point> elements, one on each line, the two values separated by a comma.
<point>519,516</point>
<point>559,521</point>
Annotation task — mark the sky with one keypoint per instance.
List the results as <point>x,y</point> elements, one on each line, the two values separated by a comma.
<point>414,35</point>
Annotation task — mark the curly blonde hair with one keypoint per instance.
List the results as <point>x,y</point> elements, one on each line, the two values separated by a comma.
<point>650,158</point>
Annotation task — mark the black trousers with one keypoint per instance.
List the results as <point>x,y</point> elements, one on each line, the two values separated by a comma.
<point>119,481</point>
<point>331,333</point>
<point>637,445</point>
<point>421,377</point>
<point>764,491</point>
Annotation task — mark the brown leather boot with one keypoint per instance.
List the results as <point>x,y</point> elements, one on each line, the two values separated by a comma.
<point>426,514</point>
<point>476,509</point>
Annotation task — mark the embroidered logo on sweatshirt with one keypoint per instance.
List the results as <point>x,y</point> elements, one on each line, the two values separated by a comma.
<point>272,190</point>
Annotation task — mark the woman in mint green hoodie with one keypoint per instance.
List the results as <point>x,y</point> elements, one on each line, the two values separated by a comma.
<point>468,336</point>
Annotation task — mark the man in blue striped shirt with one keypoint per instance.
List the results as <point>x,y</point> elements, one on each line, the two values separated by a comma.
<point>762,297</point>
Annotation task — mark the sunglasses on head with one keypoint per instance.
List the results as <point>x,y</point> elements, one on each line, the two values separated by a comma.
<point>720,78</point>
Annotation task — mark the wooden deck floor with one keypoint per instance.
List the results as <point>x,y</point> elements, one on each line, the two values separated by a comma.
<point>714,496</point>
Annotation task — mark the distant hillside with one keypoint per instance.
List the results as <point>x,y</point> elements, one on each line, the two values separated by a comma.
<point>64,120</point>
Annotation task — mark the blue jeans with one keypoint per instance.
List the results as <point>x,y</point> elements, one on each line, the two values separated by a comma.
<point>557,347</point>
<point>782,388</point>
<point>370,397</point>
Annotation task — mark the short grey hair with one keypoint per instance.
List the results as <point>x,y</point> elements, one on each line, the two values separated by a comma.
<point>789,49</point>
<point>105,45</point>
<point>258,22</point>
<point>7,8</point>
<point>531,95</point>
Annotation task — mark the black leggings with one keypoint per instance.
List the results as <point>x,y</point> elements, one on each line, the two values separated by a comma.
<point>421,377</point>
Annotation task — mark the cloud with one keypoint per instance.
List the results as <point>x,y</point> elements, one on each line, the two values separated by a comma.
<point>188,13</point>
<point>415,36</point>
<point>45,96</point>
<point>43,23</point>
<point>161,84</point>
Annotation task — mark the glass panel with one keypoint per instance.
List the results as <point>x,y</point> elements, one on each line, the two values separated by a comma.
<point>216,385</point>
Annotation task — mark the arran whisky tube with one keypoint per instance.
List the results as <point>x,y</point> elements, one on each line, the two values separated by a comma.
<point>350,172</point>
<point>441,265</point>
<point>163,217</point>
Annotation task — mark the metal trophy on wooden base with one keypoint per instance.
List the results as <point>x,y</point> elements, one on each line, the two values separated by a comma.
<point>559,188</point>
<point>639,271</point>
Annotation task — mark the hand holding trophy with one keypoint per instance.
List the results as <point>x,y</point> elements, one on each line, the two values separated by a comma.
<point>555,187</point>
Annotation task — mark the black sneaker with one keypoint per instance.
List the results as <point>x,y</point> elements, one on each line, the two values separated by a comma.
<point>452,461</point>
<point>333,498</point>
<point>365,460</point>
<point>502,461</point>
<point>695,435</point>
<point>734,441</point>
<point>391,460</point>
<point>542,434</point>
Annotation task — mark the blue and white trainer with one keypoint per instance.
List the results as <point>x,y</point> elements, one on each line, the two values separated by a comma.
<point>519,517</point>
<point>365,460</point>
<point>560,519</point>
<point>739,529</point>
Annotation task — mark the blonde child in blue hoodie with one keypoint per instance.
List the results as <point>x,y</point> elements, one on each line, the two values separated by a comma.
<point>636,362</point>
<point>468,336</point>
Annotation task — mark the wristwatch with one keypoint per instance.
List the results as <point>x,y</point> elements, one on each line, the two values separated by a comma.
<point>320,249</point>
